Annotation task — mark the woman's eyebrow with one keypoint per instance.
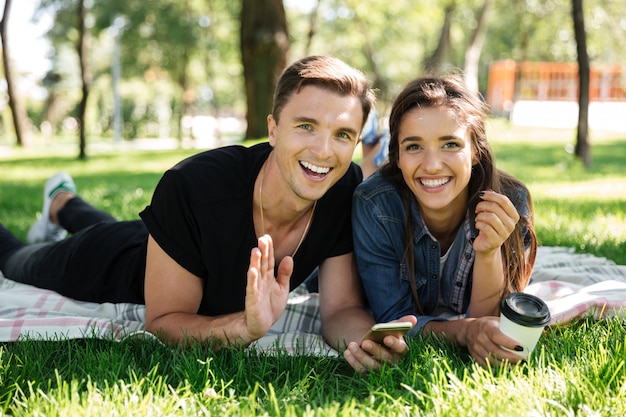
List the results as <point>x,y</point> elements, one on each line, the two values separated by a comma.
<point>411,139</point>
<point>441,138</point>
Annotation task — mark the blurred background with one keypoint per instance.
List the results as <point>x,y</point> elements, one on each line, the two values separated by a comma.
<point>200,73</point>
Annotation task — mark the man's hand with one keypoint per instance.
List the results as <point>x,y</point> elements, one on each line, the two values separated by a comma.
<point>370,355</point>
<point>266,295</point>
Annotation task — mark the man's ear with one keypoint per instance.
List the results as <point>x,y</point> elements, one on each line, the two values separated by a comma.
<point>271,129</point>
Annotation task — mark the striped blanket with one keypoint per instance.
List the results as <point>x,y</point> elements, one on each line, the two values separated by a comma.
<point>572,285</point>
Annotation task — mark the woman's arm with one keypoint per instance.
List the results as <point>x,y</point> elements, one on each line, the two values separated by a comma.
<point>496,218</point>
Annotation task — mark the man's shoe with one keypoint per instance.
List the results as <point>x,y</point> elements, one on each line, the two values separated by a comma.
<point>43,230</point>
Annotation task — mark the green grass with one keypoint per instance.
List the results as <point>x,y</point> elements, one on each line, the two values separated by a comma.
<point>577,370</point>
<point>574,206</point>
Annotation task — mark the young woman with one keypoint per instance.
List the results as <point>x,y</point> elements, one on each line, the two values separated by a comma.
<point>439,232</point>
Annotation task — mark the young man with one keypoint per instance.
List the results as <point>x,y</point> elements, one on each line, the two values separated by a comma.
<point>229,232</point>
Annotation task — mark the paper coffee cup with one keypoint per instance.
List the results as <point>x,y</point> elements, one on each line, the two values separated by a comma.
<point>523,318</point>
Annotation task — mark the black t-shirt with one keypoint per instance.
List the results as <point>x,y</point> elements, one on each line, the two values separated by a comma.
<point>201,216</point>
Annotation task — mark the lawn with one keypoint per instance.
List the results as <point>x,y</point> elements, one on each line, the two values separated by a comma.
<point>577,370</point>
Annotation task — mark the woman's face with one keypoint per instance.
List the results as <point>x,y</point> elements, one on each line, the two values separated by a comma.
<point>436,158</point>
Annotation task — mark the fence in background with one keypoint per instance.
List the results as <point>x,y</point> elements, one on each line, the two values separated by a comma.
<point>546,94</point>
<point>510,81</point>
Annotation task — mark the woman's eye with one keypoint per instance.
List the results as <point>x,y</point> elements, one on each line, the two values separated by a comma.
<point>412,147</point>
<point>451,145</point>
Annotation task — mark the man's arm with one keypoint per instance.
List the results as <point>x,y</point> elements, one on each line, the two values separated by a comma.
<point>345,320</point>
<point>173,296</point>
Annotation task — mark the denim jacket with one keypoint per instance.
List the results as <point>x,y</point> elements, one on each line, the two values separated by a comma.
<point>378,219</point>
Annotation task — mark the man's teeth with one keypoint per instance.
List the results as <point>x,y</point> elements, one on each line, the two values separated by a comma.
<point>434,183</point>
<point>316,169</point>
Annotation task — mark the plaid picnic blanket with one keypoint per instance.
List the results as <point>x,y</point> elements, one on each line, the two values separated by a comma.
<point>27,311</point>
<point>571,284</point>
<point>575,285</point>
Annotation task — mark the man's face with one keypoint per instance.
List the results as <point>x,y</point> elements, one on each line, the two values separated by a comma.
<point>315,139</point>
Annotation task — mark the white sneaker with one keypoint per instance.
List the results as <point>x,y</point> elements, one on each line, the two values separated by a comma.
<point>43,230</point>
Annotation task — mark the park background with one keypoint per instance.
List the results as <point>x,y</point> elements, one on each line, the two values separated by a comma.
<point>202,72</point>
<point>154,69</point>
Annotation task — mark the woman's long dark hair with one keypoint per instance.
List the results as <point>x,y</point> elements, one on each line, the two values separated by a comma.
<point>451,93</point>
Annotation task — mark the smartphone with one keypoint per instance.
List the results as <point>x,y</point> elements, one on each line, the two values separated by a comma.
<point>378,331</point>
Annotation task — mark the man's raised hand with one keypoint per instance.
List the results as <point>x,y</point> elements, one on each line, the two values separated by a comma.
<point>266,295</point>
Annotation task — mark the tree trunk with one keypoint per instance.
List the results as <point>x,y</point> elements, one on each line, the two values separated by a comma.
<point>15,104</point>
<point>312,27</point>
<point>380,82</point>
<point>525,28</point>
<point>582,149</point>
<point>181,111</point>
<point>264,48</point>
<point>183,83</point>
<point>472,54</point>
<point>85,77</point>
<point>434,63</point>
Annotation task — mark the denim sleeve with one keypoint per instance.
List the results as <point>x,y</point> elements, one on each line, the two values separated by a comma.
<point>422,321</point>
<point>378,230</point>
<point>378,261</point>
<point>379,248</point>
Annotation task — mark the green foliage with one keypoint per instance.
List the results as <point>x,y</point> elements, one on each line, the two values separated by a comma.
<point>187,55</point>
<point>183,54</point>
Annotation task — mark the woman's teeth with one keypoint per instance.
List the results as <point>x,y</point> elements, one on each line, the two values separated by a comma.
<point>434,183</point>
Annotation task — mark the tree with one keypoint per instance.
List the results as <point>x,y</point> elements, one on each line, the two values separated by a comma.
<point>582,149</point>
<point>186,56</point>
<point>312,27</point>
<point>85,76</point>
<point>435,62</point>
<point>264,48</point>
<point>15,104</point>
<point>161,39</point>
<point>472,54</point>
<point>71,27</point>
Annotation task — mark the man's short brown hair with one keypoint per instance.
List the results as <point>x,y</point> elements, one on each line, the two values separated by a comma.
<point>325,72</point>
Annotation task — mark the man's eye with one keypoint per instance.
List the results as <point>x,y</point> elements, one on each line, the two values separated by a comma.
<point>305,126</point>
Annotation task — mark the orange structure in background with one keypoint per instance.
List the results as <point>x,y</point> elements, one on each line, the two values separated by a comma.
<point>510,81</point>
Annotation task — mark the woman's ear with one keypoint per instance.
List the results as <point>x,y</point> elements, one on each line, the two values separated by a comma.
<point>475,159</point>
